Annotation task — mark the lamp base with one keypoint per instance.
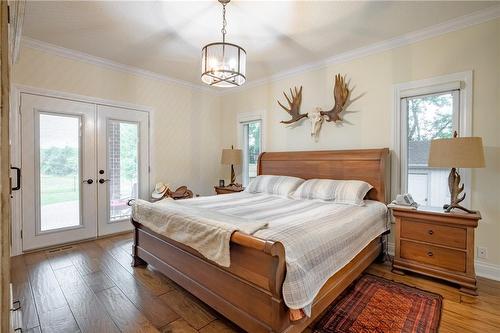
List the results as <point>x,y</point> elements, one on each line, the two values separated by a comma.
<point>455,190</point>
<point>447,208</point>
<point>233,176</point>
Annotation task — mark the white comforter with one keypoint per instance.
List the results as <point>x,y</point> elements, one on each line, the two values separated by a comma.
<point>206,231</point>
<point>319,237</point>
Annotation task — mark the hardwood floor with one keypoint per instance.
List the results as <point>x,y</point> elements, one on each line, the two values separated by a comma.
<point>91,287</point>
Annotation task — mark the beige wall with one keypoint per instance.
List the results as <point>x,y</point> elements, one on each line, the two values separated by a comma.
<point>185,122</point>
<point>368,122</point>
<point>189,127</point>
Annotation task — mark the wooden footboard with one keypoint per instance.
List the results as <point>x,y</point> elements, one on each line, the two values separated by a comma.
<point>249,292</point>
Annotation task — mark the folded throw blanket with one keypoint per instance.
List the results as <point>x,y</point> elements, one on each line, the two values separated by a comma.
<point>204,230</point>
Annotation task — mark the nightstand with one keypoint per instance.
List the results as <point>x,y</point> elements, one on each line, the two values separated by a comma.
<point>436,244</point>
<point>228,189</point>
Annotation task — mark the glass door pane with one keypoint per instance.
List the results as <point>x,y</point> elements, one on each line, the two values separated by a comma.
<point>59,172</point>
<point>123,166</point>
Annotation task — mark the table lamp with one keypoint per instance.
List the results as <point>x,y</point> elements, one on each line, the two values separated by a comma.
<point>466,152</point>
<point>231,157</point>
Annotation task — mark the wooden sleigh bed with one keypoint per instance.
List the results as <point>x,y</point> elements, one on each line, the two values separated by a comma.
<point>249,293</point>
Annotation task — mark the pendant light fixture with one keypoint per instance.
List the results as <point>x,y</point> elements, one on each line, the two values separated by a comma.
<point>223,64</point>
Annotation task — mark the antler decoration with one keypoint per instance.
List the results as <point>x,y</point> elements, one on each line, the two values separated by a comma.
<point>340,94</point>
<point>294,106</point>
<point>455,190</point>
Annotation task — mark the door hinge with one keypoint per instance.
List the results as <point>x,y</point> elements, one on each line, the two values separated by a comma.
<point>21,233</point>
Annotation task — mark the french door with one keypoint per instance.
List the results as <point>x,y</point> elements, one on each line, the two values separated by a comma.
<point>81,163</point>
<point>122,163</point>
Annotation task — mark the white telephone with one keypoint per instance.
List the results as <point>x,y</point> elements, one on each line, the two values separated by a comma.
<point>405,200</point>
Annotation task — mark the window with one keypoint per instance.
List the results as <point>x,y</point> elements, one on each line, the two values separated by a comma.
<point>427,110</point>
<point>252,147</point>
<point>428,117</point>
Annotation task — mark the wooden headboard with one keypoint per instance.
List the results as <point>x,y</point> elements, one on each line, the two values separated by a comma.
<point>369,165</point>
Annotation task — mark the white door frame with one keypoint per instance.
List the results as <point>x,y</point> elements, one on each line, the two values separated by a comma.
<point>15,141</point>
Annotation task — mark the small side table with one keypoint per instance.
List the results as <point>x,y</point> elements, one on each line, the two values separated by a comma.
<point>437,244</point>
<point>227,189</point>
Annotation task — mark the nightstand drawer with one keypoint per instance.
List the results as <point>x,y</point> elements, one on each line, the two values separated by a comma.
<point>433,255</point>
<point>434,233</point>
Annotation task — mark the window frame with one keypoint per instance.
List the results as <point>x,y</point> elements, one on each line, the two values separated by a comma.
<point>242,119</point>
<point>461,82</point>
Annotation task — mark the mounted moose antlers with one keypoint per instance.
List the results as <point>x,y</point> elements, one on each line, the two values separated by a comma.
<point>340,94</point>
<point>317,116</point>
<point>294,106</point>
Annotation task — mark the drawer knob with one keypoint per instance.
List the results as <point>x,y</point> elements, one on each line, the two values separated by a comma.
<point>430,254</point>
<point>430,232</point>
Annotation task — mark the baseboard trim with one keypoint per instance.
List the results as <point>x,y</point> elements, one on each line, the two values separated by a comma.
<point>487,270</point>
<point>483,269</point>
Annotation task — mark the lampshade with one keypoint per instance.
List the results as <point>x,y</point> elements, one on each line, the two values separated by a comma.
<point>466,152</point>
<point>231,156</point>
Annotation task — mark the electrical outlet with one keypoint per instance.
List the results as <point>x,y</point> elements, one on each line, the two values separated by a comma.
<point>482,252</point>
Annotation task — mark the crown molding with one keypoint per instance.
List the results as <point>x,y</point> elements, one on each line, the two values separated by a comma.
<point>455,24</point>
<point>458,23</point>
<point>17,9</point>
<point>106,63</point>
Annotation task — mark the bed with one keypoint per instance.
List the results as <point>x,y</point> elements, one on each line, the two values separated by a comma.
<point>250,291</point>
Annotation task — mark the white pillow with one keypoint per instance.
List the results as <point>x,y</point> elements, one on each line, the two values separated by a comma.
<point>279,185</point>
<point>350,192</point>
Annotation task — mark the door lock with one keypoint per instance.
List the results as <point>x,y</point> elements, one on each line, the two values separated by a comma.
<point>102,181</point>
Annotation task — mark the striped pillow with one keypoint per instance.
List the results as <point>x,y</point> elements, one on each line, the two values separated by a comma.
<point>323,189</point>
<point>350,192</point>
<point>279,185</point>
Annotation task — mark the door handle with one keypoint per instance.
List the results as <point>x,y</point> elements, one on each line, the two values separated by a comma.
<point>102,181</point>
<point>18,179</point>
<point>88,181</point>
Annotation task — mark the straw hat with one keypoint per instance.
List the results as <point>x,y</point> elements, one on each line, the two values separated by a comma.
<point>159,191</point>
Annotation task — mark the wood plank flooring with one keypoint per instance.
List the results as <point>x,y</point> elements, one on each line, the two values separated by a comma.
<point>91,287</point>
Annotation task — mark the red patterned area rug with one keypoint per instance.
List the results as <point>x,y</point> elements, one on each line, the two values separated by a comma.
<point>376,305</point>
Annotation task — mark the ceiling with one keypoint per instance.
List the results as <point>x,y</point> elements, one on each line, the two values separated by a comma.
<point>167,37</point>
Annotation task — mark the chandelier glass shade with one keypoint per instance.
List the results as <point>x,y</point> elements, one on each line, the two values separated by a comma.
<point>223,64</point>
